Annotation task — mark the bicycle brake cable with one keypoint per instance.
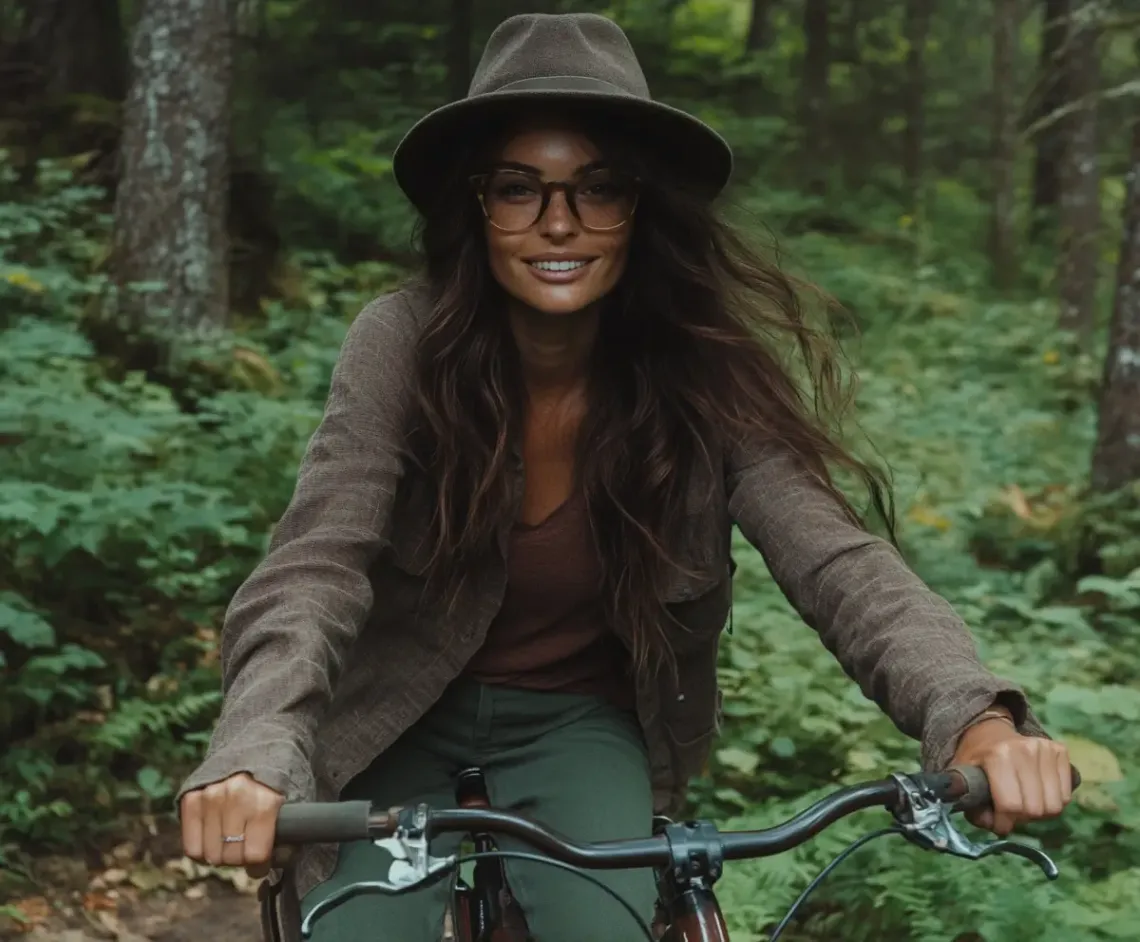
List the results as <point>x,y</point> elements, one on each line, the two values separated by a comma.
<point>570,868</point>
<point>823,874</point>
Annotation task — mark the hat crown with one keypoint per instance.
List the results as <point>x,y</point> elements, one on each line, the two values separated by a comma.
<point>533,46</point>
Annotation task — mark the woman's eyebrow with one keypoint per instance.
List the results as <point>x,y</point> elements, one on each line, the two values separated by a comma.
<point>528,168</point>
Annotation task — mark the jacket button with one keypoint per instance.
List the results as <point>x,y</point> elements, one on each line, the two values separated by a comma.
<point>680,698</point>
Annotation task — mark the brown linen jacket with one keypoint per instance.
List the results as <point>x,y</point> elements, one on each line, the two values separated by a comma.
<point>330,650</point>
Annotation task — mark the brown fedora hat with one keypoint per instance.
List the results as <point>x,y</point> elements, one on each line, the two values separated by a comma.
<point>573,58</point>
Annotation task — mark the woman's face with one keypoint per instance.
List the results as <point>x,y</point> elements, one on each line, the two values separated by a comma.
<point>559,264</point>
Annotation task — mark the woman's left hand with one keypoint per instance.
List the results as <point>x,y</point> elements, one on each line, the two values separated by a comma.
<point>1030,777</point>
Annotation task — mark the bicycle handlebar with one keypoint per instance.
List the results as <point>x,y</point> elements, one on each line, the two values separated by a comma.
<point>686,852</point>
<point>335,822</point>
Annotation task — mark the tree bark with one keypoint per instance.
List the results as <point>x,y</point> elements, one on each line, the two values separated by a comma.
<point>459,48</point>
<point>1116,456</point>
<point>759,27</point>
<point>78,46</point>
<point>1080,179</point>
<point>815,93</point>
<point>170,209</point>
<point>1003,251</point>
<point>916,28</point>
<point>1053,92</point>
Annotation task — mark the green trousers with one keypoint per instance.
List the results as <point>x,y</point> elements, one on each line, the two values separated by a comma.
<point>573,763</point>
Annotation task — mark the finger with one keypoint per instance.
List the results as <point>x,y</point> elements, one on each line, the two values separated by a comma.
<point>1065,773</point>
<point>212,825</point>
<point>192,824</point>
<point>235,822</point>
<point>1005,789</point>
<point>1027,761</point>
<point>981,818</point>
<point>1052,793</point>
<point>260,831</point>
<point>1004,824</point>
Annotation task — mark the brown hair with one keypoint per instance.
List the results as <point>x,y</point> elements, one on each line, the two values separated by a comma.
<point>700,346</point>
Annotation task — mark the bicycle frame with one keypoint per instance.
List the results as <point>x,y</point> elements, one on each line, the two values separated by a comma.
<point>486,910</point>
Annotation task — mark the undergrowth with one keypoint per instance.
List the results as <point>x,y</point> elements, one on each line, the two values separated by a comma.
<point>129,515</point>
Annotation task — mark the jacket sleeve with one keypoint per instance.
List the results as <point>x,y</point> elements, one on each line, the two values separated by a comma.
<point>903,644</point>
<point>290,625</point>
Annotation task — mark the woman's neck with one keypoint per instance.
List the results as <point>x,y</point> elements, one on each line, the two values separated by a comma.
<point>554,350</point>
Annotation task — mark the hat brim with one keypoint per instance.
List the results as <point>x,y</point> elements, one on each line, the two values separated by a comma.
<point>428,150</point>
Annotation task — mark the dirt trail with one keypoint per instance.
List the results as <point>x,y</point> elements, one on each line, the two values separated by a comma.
<point>222,915</point>
<point>142,890</point>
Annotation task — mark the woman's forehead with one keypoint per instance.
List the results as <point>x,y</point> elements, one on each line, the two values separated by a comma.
<point>549,146</point>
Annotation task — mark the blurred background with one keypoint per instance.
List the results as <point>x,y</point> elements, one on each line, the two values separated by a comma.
<point>195,200</point>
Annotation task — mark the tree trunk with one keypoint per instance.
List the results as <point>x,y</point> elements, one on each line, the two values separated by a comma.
<point>1053,92</point>
<point>459,49</point>
<point>916,27</point>
<point>1116,457</point>
<point>1003,251</point>
<point>814,91</point>
<point>848,44</point>
<point>759,27</point>
<point>78,46</point>
<point>1080,180</point>
<point>170,209</point>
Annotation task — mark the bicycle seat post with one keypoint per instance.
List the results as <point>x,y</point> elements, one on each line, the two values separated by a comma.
<point>471,789</point>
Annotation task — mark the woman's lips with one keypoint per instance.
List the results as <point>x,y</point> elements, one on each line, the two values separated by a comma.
<point>559,273</point>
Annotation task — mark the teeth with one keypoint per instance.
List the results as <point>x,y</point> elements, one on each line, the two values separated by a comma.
<point>557,266</point>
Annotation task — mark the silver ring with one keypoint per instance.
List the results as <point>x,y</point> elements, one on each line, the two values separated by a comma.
<point>233,839</point>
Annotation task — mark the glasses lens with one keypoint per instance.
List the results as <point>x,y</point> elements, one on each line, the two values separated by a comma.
<point>512,200</point>
<point>604,199</point>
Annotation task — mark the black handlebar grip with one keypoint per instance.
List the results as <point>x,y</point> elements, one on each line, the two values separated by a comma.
<point>323,822</point>
<point>976,790</point>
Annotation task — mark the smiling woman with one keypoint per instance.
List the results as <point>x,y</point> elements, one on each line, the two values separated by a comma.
<point>558,219</point>
<point>509,544</point>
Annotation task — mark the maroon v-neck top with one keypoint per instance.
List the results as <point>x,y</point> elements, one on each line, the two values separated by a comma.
<point>551,633</point>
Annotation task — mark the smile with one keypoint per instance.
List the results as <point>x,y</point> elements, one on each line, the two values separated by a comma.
<point>559,266</point>
<point>559,271</point>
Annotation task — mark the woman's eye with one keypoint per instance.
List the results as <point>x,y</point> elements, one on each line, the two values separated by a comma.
<point>602,190</point>
<point>514,191</point>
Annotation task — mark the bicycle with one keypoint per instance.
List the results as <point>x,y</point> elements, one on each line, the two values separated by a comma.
<point>688,857</point>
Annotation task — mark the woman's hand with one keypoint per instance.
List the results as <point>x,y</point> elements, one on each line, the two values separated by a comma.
<point>1030,777</point>
<point>237,807</point>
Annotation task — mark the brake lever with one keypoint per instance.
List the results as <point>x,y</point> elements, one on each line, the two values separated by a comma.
<point>412,867</point>
<point>925,821</point>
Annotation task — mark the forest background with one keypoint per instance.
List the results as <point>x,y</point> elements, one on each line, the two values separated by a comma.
<point>197,197</point>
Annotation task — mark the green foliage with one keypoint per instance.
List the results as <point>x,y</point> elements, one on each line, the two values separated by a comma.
<point>134,499</point>
<point>126,522</point>
<point>964,410</point>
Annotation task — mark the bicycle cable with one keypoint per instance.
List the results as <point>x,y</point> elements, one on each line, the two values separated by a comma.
<point>823,874</point>
<point>570,868</point>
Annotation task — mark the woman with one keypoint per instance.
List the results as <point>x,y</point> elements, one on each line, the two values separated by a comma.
<point>509,543</point>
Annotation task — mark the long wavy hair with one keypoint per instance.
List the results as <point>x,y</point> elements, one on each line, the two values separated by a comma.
<point>703,343</point>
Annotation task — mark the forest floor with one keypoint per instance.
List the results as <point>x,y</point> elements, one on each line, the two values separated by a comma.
<point>141,890</point>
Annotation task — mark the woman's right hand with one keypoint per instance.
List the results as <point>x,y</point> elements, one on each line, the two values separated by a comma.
<point>234,807</point>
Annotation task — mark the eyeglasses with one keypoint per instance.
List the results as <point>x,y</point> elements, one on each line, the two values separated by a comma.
<point>514,200</point>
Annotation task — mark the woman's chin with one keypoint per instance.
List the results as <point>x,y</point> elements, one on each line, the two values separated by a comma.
<point>560,303</point>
